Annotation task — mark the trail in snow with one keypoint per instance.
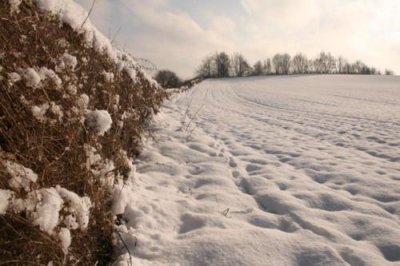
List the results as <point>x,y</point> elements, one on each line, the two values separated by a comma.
<point>299,170</point>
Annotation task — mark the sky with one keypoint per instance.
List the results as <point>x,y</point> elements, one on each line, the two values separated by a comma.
<point>177,34</point>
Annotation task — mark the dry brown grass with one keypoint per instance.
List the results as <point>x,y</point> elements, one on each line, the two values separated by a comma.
<point>55,150</point>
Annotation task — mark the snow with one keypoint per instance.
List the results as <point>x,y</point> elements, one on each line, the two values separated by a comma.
<point>56,110</point>
<point>73,90</point>
<point>21,177</point>
<point>5,196</point>
<point>65,237</point>
<point>39,112</point>
<point>14,5</point>
<point>47,211</point>
<point>93,158</point>
<point>47,208</point>
<point>98,120</point>
<point>14,77</point>
<point>45,73</point>
<point>31,77</point>
<point>83,100</point>
<point>108,76</point>
<point>68,62</point>
<point>79,206</point>
<point>116,99</point>
<point>295,170</point>
<point>121,197</point>
<point>74,15</point>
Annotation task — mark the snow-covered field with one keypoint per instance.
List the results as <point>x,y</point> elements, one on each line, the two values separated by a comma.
<point>295,170</point>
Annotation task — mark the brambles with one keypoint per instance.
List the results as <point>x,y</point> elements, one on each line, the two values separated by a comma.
<point>50,79</point>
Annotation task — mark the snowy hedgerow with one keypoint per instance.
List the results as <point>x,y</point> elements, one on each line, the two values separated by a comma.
<point>98,120</point>
<point>77,78</point>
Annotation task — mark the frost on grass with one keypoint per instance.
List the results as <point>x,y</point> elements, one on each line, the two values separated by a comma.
<point>98,120</point>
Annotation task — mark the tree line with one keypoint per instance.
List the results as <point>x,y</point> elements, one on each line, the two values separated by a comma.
<point>221,65</point>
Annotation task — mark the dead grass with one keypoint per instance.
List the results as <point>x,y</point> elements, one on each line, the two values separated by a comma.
<point>55,149</point>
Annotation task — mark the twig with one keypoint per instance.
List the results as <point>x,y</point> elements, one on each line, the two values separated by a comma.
<point>225,212</point>
<point>90,11</point>
<point>126,246</point>
<point>115,35</point>
<point>193,116</point>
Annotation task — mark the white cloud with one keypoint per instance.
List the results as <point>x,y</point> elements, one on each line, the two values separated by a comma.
<point>284,14</point>
<point>357,29</point>
<point>175,40</point>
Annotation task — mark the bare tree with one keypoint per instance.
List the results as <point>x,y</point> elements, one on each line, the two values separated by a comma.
<point>222,63</point>
<point>258,69</point>
<point>267,66</point>
<point>346,68</point>
<point>300,64</point>
<point>389,72</point>
<point>325,63</point>
<point>207,68</point>
<point>341,62</point>
<point>240,66</point>
<point>281,64</point>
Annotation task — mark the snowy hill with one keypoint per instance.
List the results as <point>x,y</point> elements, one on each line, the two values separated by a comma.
<point>295,170</point>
